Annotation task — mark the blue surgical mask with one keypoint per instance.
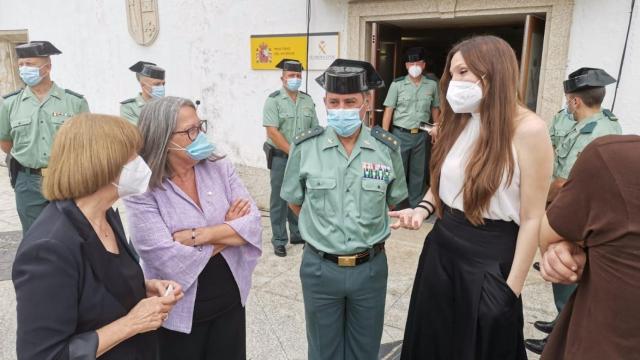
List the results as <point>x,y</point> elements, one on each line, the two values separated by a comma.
<point>345,122</point>
<point>157,91</point>
<point>569,113</point>
<point>293,84</point>
<point>30,75</point>
<point>200,149</point>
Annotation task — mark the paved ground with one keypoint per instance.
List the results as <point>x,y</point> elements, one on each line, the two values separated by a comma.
<point>275,315</point>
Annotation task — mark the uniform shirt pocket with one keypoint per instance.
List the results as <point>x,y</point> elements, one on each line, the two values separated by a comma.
<point>373,198</point>
<point>424,104</point>
<point>319,195</point>
<point>404,103</point>
<point>307,119</point>
<point>59,118</point>
<point>20,130</point>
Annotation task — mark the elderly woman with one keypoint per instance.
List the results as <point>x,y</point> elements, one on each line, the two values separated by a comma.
<point>198,226</point>
<point>79,289</point>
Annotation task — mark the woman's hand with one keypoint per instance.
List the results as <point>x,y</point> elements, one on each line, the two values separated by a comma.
<point>515,288</point>
<point>217,249</point>
<point>185,237</point>
<point>149,313</point>
<point>238,209</point>
<point>563,263</point>
<point>156,287</point>
<point>408,218</point>
<point>434,133</point>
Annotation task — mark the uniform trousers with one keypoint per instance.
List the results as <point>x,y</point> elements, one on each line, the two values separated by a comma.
<point>29,199</point>
<point>344,307</point>
<point>279,210</point>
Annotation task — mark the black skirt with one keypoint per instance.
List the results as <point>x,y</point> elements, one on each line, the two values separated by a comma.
<point>461,306</point>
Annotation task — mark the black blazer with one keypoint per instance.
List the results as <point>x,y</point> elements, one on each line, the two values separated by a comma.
<point>67,288</point>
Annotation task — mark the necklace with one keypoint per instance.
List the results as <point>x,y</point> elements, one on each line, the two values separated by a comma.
<point>99,230</point>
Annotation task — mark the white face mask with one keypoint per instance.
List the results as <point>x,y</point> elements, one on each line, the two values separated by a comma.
<point>134,178</point>
<point>464,96</point>
<point>415,71</point>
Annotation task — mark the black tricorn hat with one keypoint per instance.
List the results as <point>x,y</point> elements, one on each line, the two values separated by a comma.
<point>137,67</point>
<point>585,78</point>
<point>36,49</point>
<point>415,54</point>
<point>148,69</point>
<point>349,77</point>
<point>290,65</point>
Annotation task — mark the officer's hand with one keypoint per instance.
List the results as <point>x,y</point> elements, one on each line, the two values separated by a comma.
<point>408,218</point>
<point>238,209</point>
<point>563,263</point>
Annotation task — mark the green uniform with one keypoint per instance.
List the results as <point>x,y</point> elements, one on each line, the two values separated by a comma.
<point>569,141</point>
<point>344,202</point>
<point>569,138</point>
<point>31,126</point>
<point>290,118</point>
<point>130,109</point>
<point>412,105</point>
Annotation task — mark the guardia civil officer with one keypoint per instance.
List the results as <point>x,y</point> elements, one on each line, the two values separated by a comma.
<point>412,101</point>
<point>342,180</point>
<point>571,131</point>
<point>287,111</point>
<point>152,85</point>
<point>29,120</point>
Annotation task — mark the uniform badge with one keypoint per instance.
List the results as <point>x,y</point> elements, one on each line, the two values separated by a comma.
<point>55,113</point>
<point>376,171</point>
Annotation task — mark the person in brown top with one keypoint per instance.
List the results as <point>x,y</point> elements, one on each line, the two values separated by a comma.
<point>591,235</point>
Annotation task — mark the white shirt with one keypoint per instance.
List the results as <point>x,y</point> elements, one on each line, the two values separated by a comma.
<point>504,204</point>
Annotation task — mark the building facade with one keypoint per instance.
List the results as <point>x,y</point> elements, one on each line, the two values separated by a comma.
<point>205,47</point>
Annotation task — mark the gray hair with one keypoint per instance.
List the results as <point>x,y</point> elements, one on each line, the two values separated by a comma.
<point>158,121</point>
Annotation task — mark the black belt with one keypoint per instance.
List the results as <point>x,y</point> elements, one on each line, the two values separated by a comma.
<point>349,260</point>
<point>28,170</point>
<point>410,131</point>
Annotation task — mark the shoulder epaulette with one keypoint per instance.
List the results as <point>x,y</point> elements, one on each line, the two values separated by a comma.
<point>302,92</point>
<point>308,134</point>
<point>559,111</point>
<point>275,93</point>
<point>73,93</point>
<point>588,129</point>
<point>399,78</point>
<point>127,101</point>
<point>11,94</point>
<point>609,114</point>
<point>385,137</point>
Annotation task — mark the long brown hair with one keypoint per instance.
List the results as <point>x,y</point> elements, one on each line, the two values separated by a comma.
<point>493,60</point>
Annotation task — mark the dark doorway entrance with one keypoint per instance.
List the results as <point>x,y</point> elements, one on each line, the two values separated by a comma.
<point>390,39</point>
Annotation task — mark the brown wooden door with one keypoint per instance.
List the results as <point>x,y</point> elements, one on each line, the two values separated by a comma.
<point>531,60</point>
<point>385,57</point>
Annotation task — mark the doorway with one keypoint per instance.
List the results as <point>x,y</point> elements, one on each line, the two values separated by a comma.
<point>389,41</point>
<point>9,78</point>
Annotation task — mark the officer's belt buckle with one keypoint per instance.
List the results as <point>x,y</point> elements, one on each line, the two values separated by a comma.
<point>44,172</point>
<point>415,130</point>
<point>347,261</point>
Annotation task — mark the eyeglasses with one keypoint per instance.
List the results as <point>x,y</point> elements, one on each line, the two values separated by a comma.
<point>193,132</point>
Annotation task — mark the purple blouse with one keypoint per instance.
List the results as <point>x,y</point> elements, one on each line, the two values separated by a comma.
<point>155,215</point>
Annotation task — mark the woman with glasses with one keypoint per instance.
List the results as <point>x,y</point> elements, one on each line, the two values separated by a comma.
<point>197,225</point>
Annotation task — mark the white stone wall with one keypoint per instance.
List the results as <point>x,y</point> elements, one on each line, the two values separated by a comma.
<point>598,32</point>
<point>203,45</point>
